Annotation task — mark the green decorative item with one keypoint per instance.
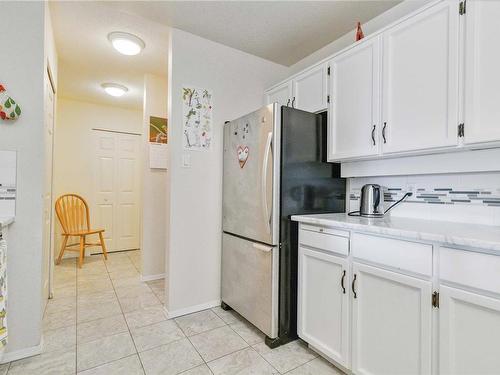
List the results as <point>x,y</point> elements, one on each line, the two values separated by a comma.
<point>9,109</point>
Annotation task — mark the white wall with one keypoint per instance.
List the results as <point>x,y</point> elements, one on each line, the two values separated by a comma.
<point>237,81</point>
<point>73,169</point>
<point>23,75</point>
<point>154,184</point>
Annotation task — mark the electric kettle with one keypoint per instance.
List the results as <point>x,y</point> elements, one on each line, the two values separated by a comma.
<point>372,201</point>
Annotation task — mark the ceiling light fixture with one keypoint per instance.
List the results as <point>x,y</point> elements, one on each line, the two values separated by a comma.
<point>125,43</point>
<point>114,89</point>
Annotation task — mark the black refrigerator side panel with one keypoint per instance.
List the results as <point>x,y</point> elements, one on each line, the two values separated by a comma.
<point>308,185</point>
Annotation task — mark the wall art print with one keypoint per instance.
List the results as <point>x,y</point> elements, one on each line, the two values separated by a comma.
<point>9,109</point>
<point>197,118</point>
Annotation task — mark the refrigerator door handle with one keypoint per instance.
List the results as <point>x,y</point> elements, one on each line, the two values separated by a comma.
<point>261,247</point>
<point>267,214</point>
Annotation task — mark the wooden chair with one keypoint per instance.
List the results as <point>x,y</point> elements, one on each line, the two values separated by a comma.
<point>73,214</point>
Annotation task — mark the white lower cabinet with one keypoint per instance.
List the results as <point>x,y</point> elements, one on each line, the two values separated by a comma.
<point>391,322</point>
<point>323,319</point>
<point>469,333</point>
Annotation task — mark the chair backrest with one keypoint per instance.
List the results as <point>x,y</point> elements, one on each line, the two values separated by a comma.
<point>73,213</point>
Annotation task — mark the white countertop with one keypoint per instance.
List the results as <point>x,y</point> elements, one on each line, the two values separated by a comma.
<point>484,237</point>
<point>6,220</point>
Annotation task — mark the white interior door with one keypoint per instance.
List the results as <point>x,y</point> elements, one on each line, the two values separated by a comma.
<point>420,81</point>
<point>391,323</point>
<point>469,326</point>
<point>116,189</point>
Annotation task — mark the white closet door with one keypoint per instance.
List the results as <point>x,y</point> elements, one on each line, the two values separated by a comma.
<point>420,81</point>
<point>116,189</point>
<point>482,73</point>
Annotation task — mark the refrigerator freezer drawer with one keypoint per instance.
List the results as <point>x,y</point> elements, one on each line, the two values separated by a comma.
<point>250,281</point>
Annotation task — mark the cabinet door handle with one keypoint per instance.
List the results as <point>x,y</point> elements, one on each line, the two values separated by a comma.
<point>293,102</point>
<point>342,282</point>
<point>373,134</point>
<point>288,102</point>
<point>353,286</point>
<point>383,132</point>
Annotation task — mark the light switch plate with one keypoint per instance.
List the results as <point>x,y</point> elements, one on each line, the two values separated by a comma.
<point>186,161</point>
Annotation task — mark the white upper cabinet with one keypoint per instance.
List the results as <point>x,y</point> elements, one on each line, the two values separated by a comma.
<point>482,72</point>
<point>281,94</point>
<point>391,322</point>
<point>310,89</point>
<point>469,330</point>
<point>420,81</point>
<point>354,115</point>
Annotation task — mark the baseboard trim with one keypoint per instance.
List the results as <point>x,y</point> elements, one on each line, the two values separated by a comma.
<point>191,309</point>
<point>152,277</point>
<point>22,353</point>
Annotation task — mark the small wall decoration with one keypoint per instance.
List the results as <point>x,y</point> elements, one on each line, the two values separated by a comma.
<point>9,109</point>
<point>158,139</point>
<point>197,118</point>
<point>158,130</point>
<point>359,32</point>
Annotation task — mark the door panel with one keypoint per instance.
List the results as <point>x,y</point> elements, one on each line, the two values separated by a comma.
<point>420,81</point>
<point>309,89</point>
<point>391,330</point>
<point>354,108</point>
<point>469,332</point>
<point>281,94</point>
<point>250,281</point>
<point>248,178</point>
<point>482,76</point>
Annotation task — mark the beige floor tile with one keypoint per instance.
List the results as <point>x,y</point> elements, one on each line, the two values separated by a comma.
<point>64,291</point>
<point>59,339</point>
<point>251,334</point>
<point>229,316</point>
<point>246,361</point>
<point>104,350</point>
<point>59,319</point>
<point>124,273</point>
<point>169,359</point>
<point>60,304</point>
<point>52,363</point>
<point>95,329</point>
<point>132,290</point>
<point>145,317</point>
<point>287,357</point>
<point>317,366</point>
<point>126,366</point>
<point>133,303</point>
<point>199,322</point>
<point>217,343</point>
<point>4,368</point>
<point>156,335</point>
<point>97,298</point>
<point>97,285</point>
<point>127,281</point>
<point>199,370</point>
<point>89,312</point>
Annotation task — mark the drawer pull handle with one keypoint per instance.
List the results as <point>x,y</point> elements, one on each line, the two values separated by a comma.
<point>342,282</point>
<point>321,230</point>
<point>373,134</point>
<point>354,286</point>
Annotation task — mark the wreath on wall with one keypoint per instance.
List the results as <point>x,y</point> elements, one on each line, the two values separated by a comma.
<point>9,109</point>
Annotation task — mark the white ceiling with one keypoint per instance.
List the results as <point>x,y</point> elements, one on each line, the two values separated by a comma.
<point>280,31</point>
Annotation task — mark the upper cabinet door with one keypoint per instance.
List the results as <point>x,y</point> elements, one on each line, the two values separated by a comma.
<point>310,89</point>
<point>281,94</point>
<point>482,73</point>
<point>354,115</point>
<point>420,81</point>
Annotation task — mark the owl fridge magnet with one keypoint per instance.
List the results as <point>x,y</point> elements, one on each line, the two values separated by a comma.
<point>9,109</point>
<point>243,153</point>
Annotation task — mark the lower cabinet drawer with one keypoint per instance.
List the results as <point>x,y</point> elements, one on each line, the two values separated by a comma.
<point>331,240</point>
<point>402,255</point>
<point>476,270</point>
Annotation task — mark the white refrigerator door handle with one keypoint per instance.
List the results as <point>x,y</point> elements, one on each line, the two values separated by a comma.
<point>267,215</point>
<point>261,247</point>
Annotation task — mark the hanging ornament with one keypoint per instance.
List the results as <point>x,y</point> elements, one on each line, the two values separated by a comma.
<point>359,32</point>
<point>9,109</point>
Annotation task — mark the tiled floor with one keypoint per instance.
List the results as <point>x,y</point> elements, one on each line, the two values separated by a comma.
<point>104,320</point>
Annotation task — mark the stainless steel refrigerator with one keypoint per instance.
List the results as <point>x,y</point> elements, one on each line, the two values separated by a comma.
<point>274,167</point>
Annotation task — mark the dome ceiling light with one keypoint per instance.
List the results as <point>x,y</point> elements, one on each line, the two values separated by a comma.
<point>114,89</point>
<point>126,43</point>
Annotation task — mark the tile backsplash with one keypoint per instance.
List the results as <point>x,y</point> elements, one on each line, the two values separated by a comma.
<point>470,198</point>
<point>8,183</point>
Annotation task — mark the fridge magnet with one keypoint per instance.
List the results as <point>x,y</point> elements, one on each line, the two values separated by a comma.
<point>9,109</point>
<point>243,152</point>
<point>197,118</point>
<point>359,32</point>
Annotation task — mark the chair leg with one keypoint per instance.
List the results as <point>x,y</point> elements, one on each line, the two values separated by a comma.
<point>63,247</point>
<point>103,246</point>
<point>82,249</point>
